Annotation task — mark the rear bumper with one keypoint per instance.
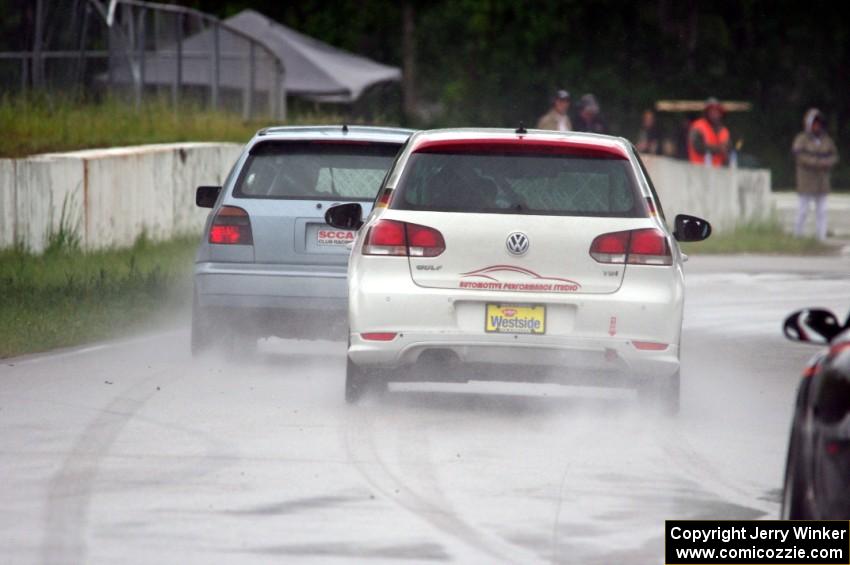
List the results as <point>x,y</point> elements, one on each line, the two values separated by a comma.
<point>287,287</point>
<point>539,356</point>
<point>590,334</point>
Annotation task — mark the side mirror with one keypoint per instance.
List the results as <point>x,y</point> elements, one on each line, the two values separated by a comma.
<point>691,228</point>
<point>345,216</point>
<point>206,196</point>
<point>812,326</point>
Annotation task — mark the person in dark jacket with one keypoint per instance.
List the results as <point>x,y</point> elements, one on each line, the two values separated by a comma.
<point>649,136</point>
<point>682,132</point>
<point>588,118</point>
<point>816,155</point>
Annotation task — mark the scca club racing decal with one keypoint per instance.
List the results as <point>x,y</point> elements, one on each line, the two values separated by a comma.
<point>335,237</point>
<point>488,278</point>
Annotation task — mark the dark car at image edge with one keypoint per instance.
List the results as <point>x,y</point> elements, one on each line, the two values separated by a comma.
<point>817,472</point>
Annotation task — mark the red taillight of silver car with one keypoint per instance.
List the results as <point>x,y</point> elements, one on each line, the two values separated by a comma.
<point>231,226</point>
<point>648,246</point>
<point>391,237</point>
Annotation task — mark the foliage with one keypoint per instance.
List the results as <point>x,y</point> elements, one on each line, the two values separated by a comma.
<point>41,124</point>
<point>67,297</point>
<point>496,62</point>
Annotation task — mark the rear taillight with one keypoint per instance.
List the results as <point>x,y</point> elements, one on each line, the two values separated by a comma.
<point>423,241</point>
<point>385,237</point>
<point>638,247</point>
<point>391,237</point>
<point>610,247</point>
<point>231,226</point>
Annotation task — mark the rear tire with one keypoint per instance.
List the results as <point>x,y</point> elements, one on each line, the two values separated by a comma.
<point>360,382</point>
<point>202,328</point>
<point>663,394</point>
<point>209,331</point>
<point>240,346</point>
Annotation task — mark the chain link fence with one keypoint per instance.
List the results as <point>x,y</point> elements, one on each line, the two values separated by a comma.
<point>137,50</point>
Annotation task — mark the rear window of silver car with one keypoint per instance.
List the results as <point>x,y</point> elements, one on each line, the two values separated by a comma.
<point>519,183</point>
<point>309,170</point>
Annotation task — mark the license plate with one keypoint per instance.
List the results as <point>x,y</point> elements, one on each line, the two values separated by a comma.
<point>515,319</point>
<point>330,237</point>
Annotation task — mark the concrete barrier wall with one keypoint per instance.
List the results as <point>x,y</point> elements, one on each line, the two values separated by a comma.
<point>53,194</point>
<point>7,202</point>
<point>726,197</point>
<point>109,197</point>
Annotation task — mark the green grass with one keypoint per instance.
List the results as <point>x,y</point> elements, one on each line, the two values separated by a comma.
<point>41,125</point>
<point>67,297</point>
<point>767,237</point>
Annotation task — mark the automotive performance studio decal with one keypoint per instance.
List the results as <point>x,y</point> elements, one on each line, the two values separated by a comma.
<point>488,278</point>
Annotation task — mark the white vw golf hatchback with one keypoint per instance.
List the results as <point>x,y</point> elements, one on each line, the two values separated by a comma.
<point>516,255</point>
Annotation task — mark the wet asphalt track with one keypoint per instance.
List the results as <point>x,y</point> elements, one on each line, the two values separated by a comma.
<point>132,452</point>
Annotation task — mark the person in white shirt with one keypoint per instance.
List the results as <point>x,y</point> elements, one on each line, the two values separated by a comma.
<point>557,117</point>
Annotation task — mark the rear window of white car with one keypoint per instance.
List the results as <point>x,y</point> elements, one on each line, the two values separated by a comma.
<point>519,183</point>
<point>315,170</point>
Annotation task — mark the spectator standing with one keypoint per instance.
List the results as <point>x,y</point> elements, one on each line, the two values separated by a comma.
<point>649,136</point>
<point>682,131</point>
<point>708,138</point>
<point>588,118</point>
<point>557,118</point>
<point>816,155</point>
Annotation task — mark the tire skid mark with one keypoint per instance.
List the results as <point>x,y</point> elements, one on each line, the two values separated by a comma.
<point>70,490</point>
<point>359,439</point>
<point>576,436</point>
<point>424,470</point>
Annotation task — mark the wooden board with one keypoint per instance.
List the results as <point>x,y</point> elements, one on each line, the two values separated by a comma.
<point>699,106</point>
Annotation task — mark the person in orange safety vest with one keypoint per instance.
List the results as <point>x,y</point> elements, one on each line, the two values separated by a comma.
<point>708,138</point>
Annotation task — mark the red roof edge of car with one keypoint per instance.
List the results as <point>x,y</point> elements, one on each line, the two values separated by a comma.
<point>523,144</point>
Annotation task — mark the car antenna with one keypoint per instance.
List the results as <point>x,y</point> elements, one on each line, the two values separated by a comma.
<point>344,128</point>
<point>521,129</point>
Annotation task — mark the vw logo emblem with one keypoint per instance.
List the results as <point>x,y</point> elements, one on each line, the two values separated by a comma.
<point>517,243</point>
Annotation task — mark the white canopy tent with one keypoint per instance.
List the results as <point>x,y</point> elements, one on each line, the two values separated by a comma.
<point>312,68</point>
<point>253,54</point>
